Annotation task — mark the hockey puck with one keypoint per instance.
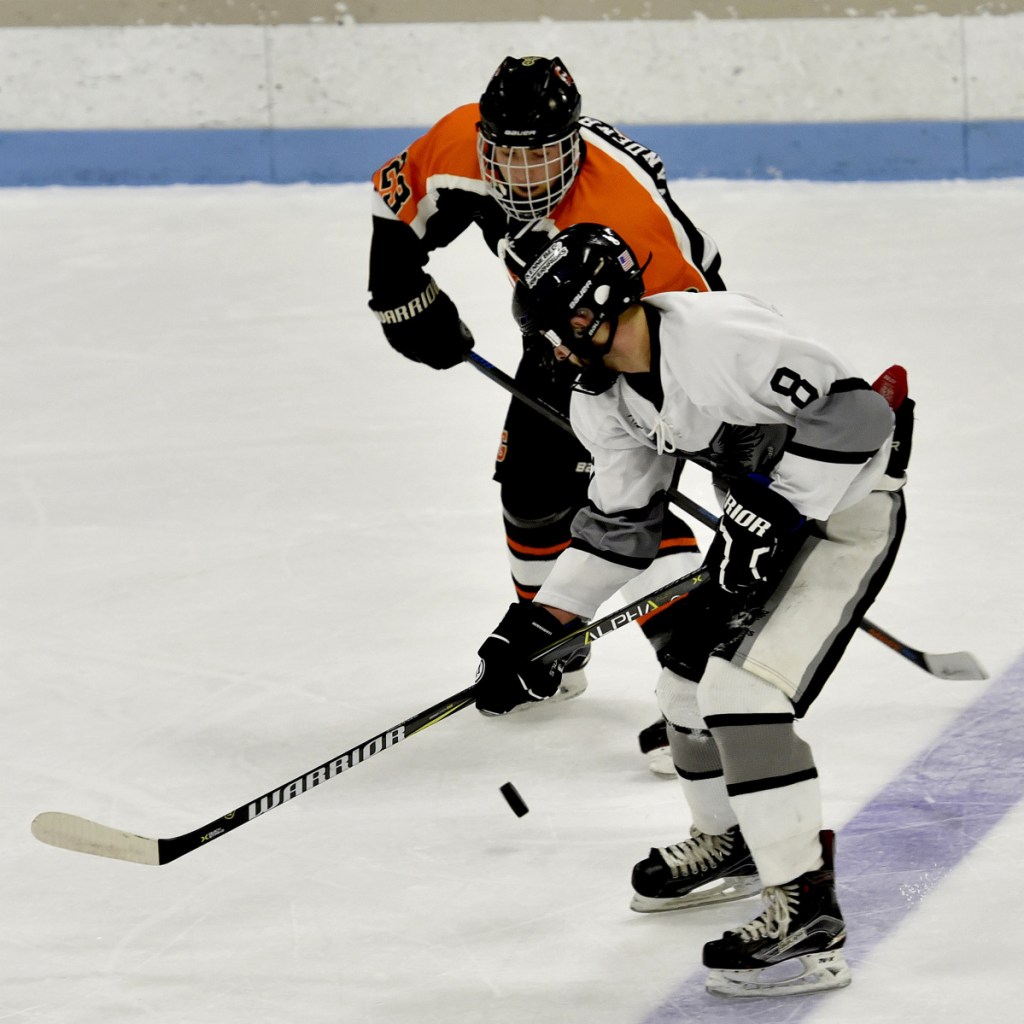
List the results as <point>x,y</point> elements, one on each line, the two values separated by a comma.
<point>514,800</point>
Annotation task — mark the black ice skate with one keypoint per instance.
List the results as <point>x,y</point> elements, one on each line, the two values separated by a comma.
<point>654,744</point>
<point>696,873</point>
<point>795,945</point>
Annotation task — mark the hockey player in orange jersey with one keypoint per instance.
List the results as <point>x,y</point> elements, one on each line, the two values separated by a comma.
<point>523,164</point>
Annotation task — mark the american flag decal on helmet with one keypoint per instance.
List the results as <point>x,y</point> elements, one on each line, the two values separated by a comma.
<point>626,260</point>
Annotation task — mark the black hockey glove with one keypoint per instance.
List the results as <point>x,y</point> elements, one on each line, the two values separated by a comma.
<point>756,537</point>
<point>507,677</point>
<point>425,328</point>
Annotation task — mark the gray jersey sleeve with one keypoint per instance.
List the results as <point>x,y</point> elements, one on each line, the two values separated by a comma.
<point>839,446</point>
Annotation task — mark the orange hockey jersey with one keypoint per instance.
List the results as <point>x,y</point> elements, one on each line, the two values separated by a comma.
<point>435,189</point>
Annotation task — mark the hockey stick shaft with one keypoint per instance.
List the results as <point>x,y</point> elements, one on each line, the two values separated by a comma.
<point>81,835</point>
<point>955,665</point>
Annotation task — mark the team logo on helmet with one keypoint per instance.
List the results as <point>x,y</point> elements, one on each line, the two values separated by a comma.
<point>545,262</point>
<point>562,74</point>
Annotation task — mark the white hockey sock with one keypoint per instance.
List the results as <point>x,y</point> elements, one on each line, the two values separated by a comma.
<point>705,793</point>
<point>772,782</point>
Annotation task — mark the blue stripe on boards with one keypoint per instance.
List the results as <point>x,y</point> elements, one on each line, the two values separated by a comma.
<point>884,151</point>
<point>197,156</point>
<point>132,157</point>
<point>902,844</point>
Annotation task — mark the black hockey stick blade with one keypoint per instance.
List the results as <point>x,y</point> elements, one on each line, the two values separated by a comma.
<point>70,832</point>
<point>955,665</point>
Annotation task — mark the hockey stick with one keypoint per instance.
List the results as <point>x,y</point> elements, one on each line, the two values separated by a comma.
<point>81,835</point>
<point>955,665</point>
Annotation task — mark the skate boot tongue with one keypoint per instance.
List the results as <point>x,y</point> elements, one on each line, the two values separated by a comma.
<point>773,923</point>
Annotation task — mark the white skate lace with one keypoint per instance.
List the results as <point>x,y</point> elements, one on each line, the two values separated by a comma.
<point>780,903</point>
<point>697,854</point>
<point>660,433</point>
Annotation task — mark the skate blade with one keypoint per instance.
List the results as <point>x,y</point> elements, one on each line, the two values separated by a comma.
<point>724,890</point>
<point>817,972</point>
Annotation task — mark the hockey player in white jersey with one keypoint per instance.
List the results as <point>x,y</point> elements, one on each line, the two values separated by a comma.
<point>802,453</point>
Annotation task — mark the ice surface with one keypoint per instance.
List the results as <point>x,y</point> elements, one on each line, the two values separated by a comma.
<point>241,535</point>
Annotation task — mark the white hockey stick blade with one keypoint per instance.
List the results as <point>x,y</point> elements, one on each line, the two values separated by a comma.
<point>957,665</point>
<point>83,836</point>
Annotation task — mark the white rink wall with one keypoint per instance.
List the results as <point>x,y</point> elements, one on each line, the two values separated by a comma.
<point>930,91</point>
<point>642,72</point>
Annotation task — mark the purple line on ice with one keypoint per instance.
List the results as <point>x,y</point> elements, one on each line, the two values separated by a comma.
<point>902,844</point>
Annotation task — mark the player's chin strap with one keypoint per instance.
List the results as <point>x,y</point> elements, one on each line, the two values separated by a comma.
<point>954,665</point>
<point>594,377</point>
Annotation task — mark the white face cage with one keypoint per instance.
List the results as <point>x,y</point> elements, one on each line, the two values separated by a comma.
<point>529,182</point>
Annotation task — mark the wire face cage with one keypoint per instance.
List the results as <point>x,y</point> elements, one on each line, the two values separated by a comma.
<point>529,181</point>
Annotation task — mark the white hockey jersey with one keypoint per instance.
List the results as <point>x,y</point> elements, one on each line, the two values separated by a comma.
<point>733,388</point>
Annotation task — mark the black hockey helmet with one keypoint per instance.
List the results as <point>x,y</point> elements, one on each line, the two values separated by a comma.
<point>530,101</point>
<point>528,138</point>
<point>585,267</point>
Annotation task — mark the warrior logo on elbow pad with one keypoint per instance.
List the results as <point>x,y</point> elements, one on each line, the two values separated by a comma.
<point>745,518</point>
